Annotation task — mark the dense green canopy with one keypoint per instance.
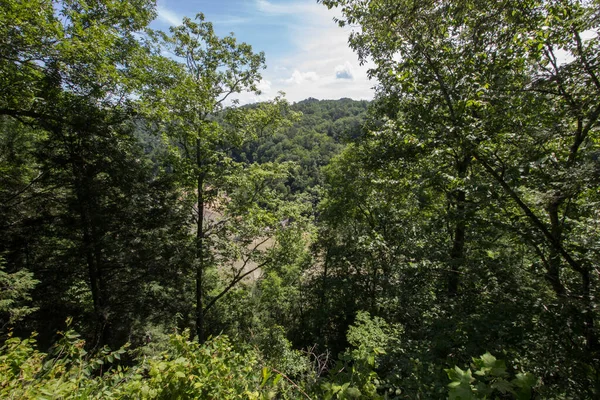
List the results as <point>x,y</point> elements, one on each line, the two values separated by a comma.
<point>441,241</point>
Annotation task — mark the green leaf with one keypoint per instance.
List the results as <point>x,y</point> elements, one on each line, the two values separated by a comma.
<point>266,373</point>
<point>503,386</point>
<point>352,393</point>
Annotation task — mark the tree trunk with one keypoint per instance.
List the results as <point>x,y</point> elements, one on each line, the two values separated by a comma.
<point>553,274</point>
<point>555,258</point>
<point>92,250</point>
<point>458,240</point>
<point>200,250</point>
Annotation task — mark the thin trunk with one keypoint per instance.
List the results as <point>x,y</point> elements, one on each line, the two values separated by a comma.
<point>92,253</point>
<point>554,275</point>
<point>457,253</point>
<point>591,339</point>
<point>531,215</point>
<point>324,277</point>
<point>373,288</point>
<point>555,259</point>
<point>200,250</point>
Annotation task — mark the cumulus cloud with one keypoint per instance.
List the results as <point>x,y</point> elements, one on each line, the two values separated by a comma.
<point>298,77</point>
<point>264,86</point>
<point>345,71</point>
<point>266,93</point>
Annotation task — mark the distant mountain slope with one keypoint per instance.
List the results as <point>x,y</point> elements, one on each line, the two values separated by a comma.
<point>325,126</point>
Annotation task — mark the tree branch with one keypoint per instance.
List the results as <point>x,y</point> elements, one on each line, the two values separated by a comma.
<point>237,279</point>
<point>530,214</point>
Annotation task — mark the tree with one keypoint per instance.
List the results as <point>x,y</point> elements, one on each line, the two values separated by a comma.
<point>16,289</point>
<point>479,94</point>
<point>74,72</point>
<point>203,128</point>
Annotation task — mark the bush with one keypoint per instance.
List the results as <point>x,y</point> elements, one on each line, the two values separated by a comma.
<point>186,370</point>
<point>490,380</point>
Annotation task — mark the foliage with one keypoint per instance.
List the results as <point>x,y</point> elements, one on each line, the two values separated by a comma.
<point>186,370</point>
<point>491,380</point>
<point>311,141</point>
<point>466,198</point>
<point>355,375</point>
<point>67,372</point>
<point>455,215</point>
<point>15,292</point>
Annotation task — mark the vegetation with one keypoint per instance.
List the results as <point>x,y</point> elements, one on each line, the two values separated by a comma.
<point>325,127</point>
<point>441,241</point>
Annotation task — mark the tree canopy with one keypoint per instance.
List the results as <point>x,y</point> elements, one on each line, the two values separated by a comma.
<point>440,241</point>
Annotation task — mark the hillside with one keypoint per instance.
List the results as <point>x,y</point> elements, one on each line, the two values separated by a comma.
<point>322,132</point>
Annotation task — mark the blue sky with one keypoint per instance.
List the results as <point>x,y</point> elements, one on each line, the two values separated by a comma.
<point>307,53</point>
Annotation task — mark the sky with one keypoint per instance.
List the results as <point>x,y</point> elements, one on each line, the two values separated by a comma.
<point>307,53</point>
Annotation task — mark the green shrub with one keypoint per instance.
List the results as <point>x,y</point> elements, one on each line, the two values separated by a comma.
<point>186,370</point>
<point>490,380</point>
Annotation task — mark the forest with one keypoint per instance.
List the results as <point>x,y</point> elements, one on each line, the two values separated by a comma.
<point>161,240</point>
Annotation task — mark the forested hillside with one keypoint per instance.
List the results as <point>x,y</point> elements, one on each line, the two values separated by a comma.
<point>158,240</point>
<point>322,132</point>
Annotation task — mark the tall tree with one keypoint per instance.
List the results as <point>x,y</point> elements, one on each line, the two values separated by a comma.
<point>72,69</point>
<point>502,101</point>
<point>203,125</point>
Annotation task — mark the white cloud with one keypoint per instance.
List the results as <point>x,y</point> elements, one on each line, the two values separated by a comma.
<point>290,8</point>
<point>168,16</point>
<point>264,86</point>
<point>589,34</point>
<point>266,93</point>
<point>320,47</point>
<point>298,77</point>
<point>317,63</point>
<point>229,20</point>
<point>345,71</point>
